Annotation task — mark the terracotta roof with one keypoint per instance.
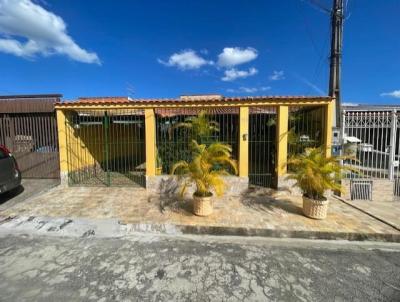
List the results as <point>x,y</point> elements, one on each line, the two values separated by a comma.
<point>119,100</point>
<point>194,111</point>
<point>100,100</point>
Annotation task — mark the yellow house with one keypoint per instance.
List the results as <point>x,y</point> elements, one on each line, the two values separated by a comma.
<point>121,141</point>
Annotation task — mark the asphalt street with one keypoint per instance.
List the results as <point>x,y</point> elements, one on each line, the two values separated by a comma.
<point>178,268</point>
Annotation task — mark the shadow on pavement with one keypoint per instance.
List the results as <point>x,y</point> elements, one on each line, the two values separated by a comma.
<point>11,194</point>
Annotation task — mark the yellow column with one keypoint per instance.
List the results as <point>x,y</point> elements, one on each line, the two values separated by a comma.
<point>329,113</point>
<point>150,127</point>
<point>282,140</point>
<point>62,141</point>
<point>244,142</point>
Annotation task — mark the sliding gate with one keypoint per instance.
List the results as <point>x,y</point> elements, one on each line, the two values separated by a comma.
<point>262,146</point>
<point>32,138</point>
<point>106,148</point>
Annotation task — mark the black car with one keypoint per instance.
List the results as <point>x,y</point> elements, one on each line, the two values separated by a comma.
<point>10,175</point>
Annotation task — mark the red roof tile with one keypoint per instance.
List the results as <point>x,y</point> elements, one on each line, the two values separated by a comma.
<point>119,100</point>
<point>97,100</point>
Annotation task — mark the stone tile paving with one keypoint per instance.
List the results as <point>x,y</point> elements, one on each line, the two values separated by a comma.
<point>257,209</point>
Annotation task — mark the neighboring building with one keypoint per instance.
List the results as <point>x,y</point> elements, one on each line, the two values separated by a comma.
<point>28,128</point>
<point>372,134</point>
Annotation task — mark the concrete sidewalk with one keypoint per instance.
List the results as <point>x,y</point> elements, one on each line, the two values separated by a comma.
<point>259,212</point>
<point>387,211</point>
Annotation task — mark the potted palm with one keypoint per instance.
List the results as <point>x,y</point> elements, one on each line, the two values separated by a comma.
<point>205,170</point>
<point>314,174</point>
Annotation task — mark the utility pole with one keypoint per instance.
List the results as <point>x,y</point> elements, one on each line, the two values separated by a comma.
<point>337,16</point>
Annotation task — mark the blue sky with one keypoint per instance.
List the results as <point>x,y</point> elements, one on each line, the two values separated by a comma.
<point>167,48</point>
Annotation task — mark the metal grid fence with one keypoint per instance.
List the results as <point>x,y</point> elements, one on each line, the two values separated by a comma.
<point>372,139</point>
<point>305,129</point>
<point>106,148</point>
<point>33,140</point>
<point>173,137</point>
<point>262,146</point>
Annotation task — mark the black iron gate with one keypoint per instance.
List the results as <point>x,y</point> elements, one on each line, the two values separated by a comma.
<point>262,146</point>
<point>106,148</point>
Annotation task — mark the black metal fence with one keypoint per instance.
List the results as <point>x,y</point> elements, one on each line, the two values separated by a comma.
<point>106,148</point>
<point>262,146</point>
<point>175,130</point>
<point>305,129</point>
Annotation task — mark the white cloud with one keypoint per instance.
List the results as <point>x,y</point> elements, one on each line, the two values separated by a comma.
<point>393,94</point>
<point>249,89</point>
<point>277,75</point>
<point>232,56</point>
<point>233,74</point>
<point>45,33</point>
<point>186,59</point>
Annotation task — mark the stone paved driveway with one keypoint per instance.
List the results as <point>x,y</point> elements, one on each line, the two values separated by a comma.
<point>257,209</point>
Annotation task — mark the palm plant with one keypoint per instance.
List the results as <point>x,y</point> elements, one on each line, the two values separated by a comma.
<point>201,128</point>
<point>315,173</point>
<point>206,168</point>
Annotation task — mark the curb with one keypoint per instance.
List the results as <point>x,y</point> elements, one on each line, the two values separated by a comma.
<point>171,229</point>
<point>368,213</point>
<point>112,228</point>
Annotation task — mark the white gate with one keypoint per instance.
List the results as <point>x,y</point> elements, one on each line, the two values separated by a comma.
<point>372,137</point>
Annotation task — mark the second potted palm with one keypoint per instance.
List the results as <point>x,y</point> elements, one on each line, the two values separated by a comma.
<point>315,174</point>
<point>205,170</point>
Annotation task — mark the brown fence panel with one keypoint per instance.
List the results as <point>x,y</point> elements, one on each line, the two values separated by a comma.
<point>33,140</point>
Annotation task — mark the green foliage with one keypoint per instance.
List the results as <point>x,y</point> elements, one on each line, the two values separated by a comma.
<point>315,173</point>
<point>206,168</point>
<point>159,161</point>
<point>201,129</point>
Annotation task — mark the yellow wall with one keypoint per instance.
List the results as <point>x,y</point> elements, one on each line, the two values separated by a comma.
<point>86,145</point>
<point>282,140</point>
<point>329,115</point>
<point>244,142</point>
<point>62,140</point>
<point>78,153</point>
<point>150,122</point>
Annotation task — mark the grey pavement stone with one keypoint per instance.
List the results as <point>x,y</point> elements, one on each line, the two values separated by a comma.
<point>29,188</point>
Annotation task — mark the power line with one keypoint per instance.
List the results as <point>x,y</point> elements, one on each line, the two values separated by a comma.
<point>319,49</point>
<point>317,4</point>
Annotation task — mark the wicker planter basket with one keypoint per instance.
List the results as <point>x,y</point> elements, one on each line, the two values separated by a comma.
<point>202,206</point>
<point>316,209</point>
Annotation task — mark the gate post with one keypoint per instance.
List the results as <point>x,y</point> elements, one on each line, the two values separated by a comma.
<point>150,144</point>
<point>282,142</point>
<point>329,112</point>
<point>244,142</point>
<point>62,146</point>
<point>393,130</point>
